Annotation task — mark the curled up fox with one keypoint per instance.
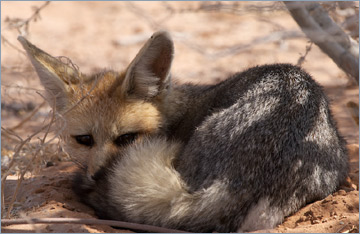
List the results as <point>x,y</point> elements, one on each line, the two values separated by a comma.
<point>236,156</point>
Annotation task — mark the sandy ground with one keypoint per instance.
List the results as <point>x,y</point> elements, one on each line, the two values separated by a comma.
<point>108,35</point>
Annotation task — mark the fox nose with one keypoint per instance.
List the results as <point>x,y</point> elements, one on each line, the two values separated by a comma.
<point>100,174</point>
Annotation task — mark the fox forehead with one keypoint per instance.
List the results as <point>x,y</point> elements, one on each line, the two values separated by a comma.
<point>100,109</point>
<point>99,85</point>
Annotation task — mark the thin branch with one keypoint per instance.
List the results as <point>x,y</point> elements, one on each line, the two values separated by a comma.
<point>273,37</point>
<point>231,50</point>
<point>342,228</point>
<point>325,33</point>
<point>11,135</point>
<point>28,219</point>
<point>140,13</point>
<point>301,60</point>
<point>23,25</point>
<point>27,118</point>
<point>134,226</point>
<point>34,156</point>
<point>232,8</point>
<point>239,48</point>
<point>19,181</point>
<point>6,41</point>
<point>36,14</point>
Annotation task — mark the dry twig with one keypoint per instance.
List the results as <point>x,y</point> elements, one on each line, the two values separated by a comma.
<point>325,33</point>
<point>19,181</point>
<point>301,60</point>
<point>27,118</point>
<point>6,41</point>
<point>231,50</point>
<point>134,226</point>
<point>231,8</point>
<point>23,25</point>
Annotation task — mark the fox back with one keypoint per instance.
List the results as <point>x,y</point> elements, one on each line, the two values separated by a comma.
<point>236,156</point>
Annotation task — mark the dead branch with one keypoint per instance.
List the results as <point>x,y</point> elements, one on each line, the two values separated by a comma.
<point>23,25</point>
<point>134,226</point>
<point>302,58</point>
<point>28,219</point>
<point>325,33</point>
<point>42,143</point>
<point>16,154</point>
<point>231,8</point>
<point>139,12</point>
<point>231,50</point>
<point>31,161</point>
<point>273,37</point>
<point>6,41</point>
<point>11,135</point>
<point>27,118</point>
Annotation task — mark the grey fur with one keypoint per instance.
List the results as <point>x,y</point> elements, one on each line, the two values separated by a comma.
<point>237,156</point>
<point>267,133</point>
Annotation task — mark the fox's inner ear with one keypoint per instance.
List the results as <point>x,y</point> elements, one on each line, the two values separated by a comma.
<point>148,75</point>
<point>54,75</point>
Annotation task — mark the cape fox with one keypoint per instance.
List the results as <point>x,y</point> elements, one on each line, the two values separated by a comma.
<point>236,156</point>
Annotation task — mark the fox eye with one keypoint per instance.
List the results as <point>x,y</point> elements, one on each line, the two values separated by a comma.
<point>125,139</point>
<point>84,140</point>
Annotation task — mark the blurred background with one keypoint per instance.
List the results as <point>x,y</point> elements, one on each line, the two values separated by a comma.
<point>213,40</point>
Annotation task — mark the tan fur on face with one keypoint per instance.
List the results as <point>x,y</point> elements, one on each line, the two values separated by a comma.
<point>109,104</point>
<point>105,116</point>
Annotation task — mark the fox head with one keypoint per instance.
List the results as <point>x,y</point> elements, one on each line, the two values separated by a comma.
<point>106,112</point>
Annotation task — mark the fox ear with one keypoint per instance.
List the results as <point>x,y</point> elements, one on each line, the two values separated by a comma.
<point>148,75</point>
<point>54,75</point>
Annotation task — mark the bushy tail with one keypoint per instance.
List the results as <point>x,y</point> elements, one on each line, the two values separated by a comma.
<point>145,183</point>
